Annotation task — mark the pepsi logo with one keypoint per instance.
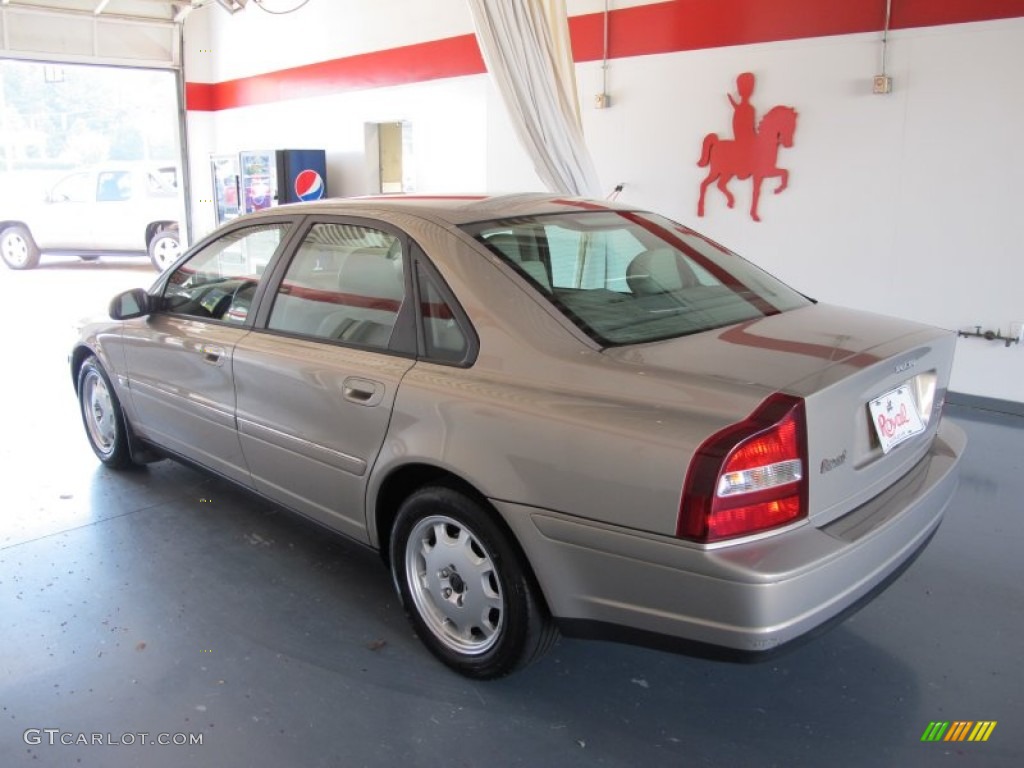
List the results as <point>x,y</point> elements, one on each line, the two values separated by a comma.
<point>309,185</point>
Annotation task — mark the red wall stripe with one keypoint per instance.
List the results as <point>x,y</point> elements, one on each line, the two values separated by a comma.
<point>200,97</point>
<point>666,27</point>
<point>686,25</point>
<point>433,60</point>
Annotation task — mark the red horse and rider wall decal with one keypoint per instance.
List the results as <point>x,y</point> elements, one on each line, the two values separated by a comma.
<point>752,152</point>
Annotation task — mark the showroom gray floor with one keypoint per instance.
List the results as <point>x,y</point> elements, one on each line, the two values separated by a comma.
<point>165,602</point>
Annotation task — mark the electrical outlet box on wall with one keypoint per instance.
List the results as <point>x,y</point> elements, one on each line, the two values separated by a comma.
<point>881,84</point>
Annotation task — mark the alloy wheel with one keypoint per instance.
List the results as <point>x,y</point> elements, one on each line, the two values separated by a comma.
<point>454,584</point>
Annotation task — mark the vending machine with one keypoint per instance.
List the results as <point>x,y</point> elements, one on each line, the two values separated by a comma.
<point>278,176</point>
<point>224,169</point>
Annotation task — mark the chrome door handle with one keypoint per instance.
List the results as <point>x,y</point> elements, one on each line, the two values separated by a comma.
<point>212,354</point>
<point>362,391</point>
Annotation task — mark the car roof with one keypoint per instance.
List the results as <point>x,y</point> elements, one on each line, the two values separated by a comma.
<point>453,209</point>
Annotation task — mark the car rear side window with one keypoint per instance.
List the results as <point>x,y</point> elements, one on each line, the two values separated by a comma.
<point>625,278</point>
<point>114,186</point>
<point>443,338</point>
<point>220,281</point>
<point>346,283</point>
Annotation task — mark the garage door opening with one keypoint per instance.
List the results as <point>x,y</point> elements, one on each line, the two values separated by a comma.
<point>90,163</point>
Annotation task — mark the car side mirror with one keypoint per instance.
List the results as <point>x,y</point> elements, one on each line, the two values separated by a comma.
<point>131,304</point>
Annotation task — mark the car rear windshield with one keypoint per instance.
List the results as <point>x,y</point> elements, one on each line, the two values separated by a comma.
<point>626,278</point>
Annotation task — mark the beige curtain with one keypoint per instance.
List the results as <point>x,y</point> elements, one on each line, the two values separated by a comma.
<point>525,44</point>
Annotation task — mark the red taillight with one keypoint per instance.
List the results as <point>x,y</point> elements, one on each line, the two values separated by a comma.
<point>748,477</point>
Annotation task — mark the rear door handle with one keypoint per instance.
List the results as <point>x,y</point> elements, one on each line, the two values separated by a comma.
<point>362,391</point>
<point>212,354</point>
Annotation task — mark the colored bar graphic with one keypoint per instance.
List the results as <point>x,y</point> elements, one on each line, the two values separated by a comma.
<point>935,731</point>
<point>959,730</point>
<point>982,730</point>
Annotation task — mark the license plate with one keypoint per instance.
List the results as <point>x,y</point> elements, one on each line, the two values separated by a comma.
<point>895,417</point>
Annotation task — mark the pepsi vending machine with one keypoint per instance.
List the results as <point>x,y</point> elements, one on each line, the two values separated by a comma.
<point>278,176</point>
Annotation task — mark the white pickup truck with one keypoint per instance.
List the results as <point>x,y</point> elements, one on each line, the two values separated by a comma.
<point>113,209</point>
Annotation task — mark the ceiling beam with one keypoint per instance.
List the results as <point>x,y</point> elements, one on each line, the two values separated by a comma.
<point>144,10</point>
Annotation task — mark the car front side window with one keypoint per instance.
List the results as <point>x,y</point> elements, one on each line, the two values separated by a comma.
<point>77,188</point>
<point>220,281</point>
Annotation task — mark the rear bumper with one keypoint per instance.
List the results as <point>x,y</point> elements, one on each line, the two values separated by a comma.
<point>749,598</point>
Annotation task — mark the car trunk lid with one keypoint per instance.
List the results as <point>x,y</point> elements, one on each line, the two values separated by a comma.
<point>839,361</point>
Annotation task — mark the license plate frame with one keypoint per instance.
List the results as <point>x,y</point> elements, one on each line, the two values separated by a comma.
<point>895,418</point>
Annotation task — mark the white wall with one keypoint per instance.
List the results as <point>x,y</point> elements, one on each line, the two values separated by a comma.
<point>254,42</point>
<point>904,204</point>
<point>448,117</point>
<point>448,120</point>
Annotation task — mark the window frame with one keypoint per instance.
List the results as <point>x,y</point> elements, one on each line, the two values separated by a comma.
<point>408,337</point>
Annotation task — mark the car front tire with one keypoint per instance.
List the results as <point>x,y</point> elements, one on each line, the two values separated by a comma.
<point>465,586</point>
<point>17,248</point>
<point>164,248</point>
<point>102,416</point>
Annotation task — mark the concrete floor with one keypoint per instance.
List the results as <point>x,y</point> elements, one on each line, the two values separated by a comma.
<point>163,601</point>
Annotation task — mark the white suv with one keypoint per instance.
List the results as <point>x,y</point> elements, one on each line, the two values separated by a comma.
<point>106,210</point>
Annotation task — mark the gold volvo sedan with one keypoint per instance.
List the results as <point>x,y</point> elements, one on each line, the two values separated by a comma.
<point>546,414</point>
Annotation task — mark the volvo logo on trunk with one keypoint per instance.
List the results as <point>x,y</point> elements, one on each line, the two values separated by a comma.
<point>906,365</point>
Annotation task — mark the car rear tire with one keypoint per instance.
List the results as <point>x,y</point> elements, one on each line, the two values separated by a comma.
<point>164,248</point>
<point>102,416</point>
<point>465,586</point>
<point>17,248</point>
